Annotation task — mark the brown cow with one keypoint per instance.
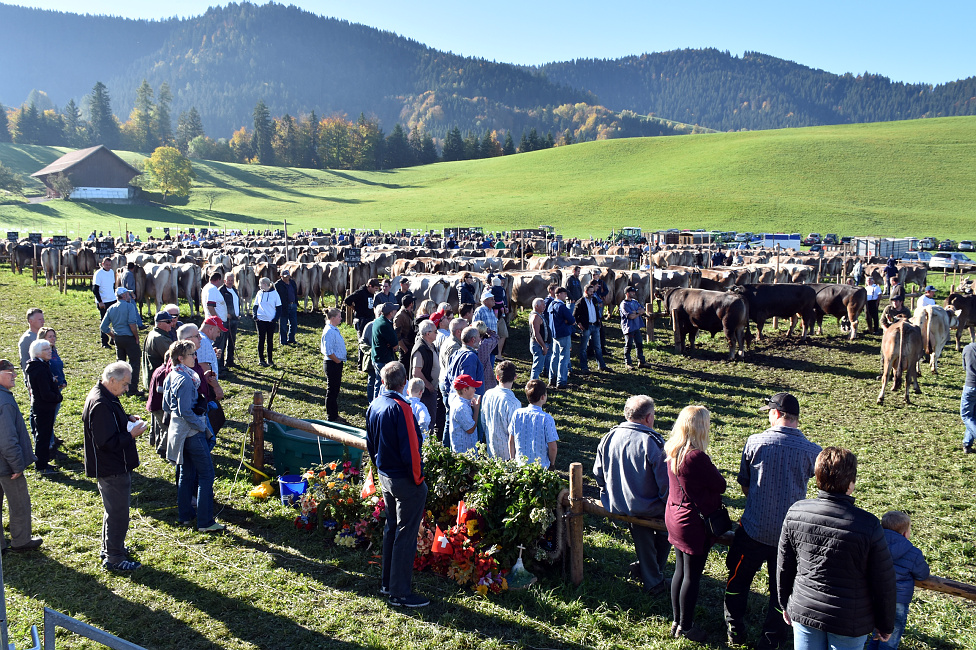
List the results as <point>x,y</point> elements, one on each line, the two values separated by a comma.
<point>713,311</point>
<point>965,308</point>
<point>901,350</point>
<point>840,300</point>
<point>782,301</point>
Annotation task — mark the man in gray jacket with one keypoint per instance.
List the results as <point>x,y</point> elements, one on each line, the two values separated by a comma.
<point>15,455</point>
<point>632,474</point>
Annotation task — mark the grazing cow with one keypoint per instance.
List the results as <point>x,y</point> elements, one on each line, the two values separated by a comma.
<point>781,301</point>
<point>901,349</point>
<point>840,301</point>
<point>965,308</point>
<point>713,311</point>
<point>51,265</point>
<point>935,324</point>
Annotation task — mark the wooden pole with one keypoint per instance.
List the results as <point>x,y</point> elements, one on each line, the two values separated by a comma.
<point>287,259</point>
<point>576,522</point>
<point>311,427</point>
<point>257,433</point>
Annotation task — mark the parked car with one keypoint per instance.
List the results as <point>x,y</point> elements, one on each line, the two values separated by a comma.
<point>756,239</point>
<point>951,261</point>
<point>816,248</point>
<point>927,243</point>
<point>812,238</point>
<point>846,240</point>
<point>947,245</point>
<point>965,245</point>
<point>743,236</point>
<point>830,239</point>
<point>916,257</point>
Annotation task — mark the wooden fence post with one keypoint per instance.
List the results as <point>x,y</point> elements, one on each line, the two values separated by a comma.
<point>257,433</point>
<point>576,522</point>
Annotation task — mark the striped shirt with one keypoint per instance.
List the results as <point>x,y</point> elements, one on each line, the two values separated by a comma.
<point>776,466</point>
<point>332,342</point>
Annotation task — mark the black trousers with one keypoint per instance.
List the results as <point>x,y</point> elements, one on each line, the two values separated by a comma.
<point>266,330</point>
<point>333,378</point>
<point>42,422</point>
<point>744,560</point>
<point>871,315</point>
<point>127,349</point>
<point>101,313</point>
<point>229,343</point>
<point>688,571</point>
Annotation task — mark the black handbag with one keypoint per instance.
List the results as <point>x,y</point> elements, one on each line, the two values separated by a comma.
<point>717,523</point>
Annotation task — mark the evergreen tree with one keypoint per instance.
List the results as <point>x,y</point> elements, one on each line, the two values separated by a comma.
<point>398,150</point>
<point>568,137</point>
<point>549,142</point>
<point>4,125</point>
<point>309,142</point>
<point>188,126</point>
<point>104,127</point>
<point>28,127</point>
<point>472,146</point>
<point>75,134</point>
<point>284,142</point>
<point>428,152</point>
<point>509,147</point>
<point>490,147</point>
<point>453,146</point>
<point>416,142</point>
<point>367,144</point>
<point>534,142</point>
<point>263,133</point>
<point>141,118</point>
<point>524,146</point>
<point>162,125</point>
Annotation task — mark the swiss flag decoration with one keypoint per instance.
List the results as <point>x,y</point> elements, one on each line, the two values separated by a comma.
<point>369,487</point>
<point>441,543</point>
<point>462,510</point>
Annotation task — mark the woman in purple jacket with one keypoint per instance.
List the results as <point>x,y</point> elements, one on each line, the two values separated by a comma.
<point>695,488</point>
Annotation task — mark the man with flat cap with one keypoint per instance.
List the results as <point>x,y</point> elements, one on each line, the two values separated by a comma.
<point>774,471</point>
<point>121,323</point>
<point>156,345</point>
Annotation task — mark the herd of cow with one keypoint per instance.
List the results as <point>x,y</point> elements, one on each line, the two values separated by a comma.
<point>723,299</point>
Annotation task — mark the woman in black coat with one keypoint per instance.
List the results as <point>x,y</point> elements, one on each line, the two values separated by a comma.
<point>834,574</point>
<point>45,395</point>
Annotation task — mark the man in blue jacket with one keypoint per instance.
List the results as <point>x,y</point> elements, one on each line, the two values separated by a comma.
<point>563,323</point>
<point>393,442</point>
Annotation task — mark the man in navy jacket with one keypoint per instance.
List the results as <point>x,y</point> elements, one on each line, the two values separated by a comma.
<point>563,323</point>
<point>393,441</point>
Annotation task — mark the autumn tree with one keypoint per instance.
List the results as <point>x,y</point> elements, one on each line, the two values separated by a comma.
<point>240,145</point>
<point>4,125</point>
<point>170,172</point>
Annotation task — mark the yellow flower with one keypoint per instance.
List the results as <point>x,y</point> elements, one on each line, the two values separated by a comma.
<point>340,476</point>
<point>331,483</point>
<point>482,590</point>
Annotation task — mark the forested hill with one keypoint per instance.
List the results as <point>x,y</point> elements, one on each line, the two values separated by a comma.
<point>756,91</point>
<point>225,61</point>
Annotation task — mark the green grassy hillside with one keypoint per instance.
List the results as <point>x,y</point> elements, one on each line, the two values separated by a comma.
<point>896,178</point>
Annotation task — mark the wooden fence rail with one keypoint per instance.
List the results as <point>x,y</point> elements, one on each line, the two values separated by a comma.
<point>579,505</point>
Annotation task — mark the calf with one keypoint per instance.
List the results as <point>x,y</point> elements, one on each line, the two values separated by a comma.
<point>935,324</point>
<point>901,349</point>
<point>840,301</point>
<point>697,309</point>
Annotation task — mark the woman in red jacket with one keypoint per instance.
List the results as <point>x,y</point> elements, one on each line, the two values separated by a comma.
<point>695,488</point>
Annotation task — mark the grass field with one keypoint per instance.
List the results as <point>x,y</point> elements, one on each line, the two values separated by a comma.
<point>264,584</point>
<point>889,179</point>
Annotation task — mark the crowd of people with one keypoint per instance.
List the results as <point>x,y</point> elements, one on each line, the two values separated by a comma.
<point>430,372</point>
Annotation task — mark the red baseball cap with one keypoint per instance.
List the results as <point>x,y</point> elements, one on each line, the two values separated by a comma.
<point>216,322</point>
<point>466,381</point>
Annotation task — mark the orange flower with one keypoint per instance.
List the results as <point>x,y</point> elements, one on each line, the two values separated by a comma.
<point>332,465</point>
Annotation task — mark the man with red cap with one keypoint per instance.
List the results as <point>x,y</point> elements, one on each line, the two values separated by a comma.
<point>465,404</point>
<point>207,355</point>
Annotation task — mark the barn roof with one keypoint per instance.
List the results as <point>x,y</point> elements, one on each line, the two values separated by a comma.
<point>70,160</point>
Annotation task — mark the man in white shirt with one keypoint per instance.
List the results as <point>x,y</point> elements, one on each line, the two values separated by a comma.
<point>207,354</point>
<point>928,298</point>
<point>215,305</point>
<point>333,348</point>
<point>497,408</point>
<point>103,286</point>
<point>233,303</point>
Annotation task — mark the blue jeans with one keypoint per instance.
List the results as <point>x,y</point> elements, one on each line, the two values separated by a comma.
<point>288,325</point>
<point>559,361</point>
<point>810,638</point>
<point>591,333</point>
<point>197,470</point>
<point>967,410</point>
<point>540,361</point>
<point>901,619</point>
<point>371,381</point>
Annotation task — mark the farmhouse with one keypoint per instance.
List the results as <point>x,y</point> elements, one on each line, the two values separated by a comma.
<point>96,174</point>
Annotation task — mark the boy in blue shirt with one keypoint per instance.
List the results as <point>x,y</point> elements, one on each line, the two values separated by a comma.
<point>910,565</point>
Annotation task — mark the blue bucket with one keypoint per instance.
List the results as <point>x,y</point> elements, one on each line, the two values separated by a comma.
<point>292,487</point>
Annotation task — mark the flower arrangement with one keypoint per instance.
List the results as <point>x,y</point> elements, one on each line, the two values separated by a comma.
<point>508,506</point>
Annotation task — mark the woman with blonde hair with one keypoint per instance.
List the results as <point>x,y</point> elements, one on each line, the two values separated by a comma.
<point>695,491</point>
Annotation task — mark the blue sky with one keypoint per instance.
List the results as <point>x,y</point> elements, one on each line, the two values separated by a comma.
<point>905,41</point>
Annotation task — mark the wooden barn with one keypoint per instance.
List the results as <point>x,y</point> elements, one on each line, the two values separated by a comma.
<point>96,174</point>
